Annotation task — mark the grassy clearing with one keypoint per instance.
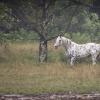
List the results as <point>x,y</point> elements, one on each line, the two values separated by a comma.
<point>20,72</point>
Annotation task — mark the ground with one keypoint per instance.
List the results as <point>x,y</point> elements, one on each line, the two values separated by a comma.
<point>64,96</point>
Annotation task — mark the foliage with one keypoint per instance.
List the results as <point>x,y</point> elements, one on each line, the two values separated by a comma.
<point>53,20</point>
<point>81,37</point>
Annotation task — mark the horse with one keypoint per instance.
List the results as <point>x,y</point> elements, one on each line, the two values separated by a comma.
<point>74,50</point>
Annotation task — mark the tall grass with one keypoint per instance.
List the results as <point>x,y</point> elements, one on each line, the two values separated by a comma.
<point>20,72</point>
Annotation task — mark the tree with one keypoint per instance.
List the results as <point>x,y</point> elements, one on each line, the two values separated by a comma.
<point>33,15</point>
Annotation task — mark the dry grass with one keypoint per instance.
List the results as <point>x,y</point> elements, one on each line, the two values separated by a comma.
<point>21,73</point>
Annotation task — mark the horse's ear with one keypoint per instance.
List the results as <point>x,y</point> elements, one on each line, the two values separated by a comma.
<point>62,34</point>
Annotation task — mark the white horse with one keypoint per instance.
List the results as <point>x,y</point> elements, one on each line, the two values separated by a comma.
<point>74,50</point>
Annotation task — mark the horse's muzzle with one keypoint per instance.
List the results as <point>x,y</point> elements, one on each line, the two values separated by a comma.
<point>56,47</point>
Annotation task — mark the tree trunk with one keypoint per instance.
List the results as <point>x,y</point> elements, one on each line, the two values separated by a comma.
<point>43,51</point>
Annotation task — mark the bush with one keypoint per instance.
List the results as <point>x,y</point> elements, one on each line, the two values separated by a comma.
<point>81,37</point>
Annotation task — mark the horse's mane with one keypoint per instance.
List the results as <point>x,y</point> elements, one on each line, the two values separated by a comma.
<point>69,42</point>
<point>67,39</point>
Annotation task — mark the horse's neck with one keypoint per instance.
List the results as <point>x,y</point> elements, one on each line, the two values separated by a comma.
<point>68,44</point>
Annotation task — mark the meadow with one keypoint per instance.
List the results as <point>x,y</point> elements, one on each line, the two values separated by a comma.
<point>21,73</point>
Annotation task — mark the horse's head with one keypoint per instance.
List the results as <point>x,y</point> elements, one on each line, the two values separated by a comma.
<point>58,42</point>
<point>61,40</point>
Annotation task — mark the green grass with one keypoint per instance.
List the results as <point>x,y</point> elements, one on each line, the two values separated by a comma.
<point>21,73</point>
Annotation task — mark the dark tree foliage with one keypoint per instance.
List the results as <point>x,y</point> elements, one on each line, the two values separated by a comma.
<point>96,7</point>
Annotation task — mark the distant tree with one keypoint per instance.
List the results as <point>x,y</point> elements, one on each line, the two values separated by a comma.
<point>93,26</point>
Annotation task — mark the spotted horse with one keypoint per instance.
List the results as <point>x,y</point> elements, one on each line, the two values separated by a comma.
<point>74,50</point>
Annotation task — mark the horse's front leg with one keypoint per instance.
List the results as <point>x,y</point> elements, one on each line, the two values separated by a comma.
<point>72,61</point>
<point>67,56</point>
<point>94,59</point>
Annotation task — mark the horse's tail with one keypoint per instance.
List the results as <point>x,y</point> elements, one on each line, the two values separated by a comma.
<point>99,53</point>
<point>98,57</point>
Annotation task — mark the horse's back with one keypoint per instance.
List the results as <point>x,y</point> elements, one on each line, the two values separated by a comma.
<point>94,47</point>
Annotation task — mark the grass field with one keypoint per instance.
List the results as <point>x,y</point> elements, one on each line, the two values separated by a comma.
<point>21,73</point>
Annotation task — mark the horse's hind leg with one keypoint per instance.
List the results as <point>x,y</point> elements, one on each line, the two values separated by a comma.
<point>72,61</point>
<point>98,57</point>
<point>94,59</point>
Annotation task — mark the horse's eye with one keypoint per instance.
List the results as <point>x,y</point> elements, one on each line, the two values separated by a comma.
<point>59,41</point>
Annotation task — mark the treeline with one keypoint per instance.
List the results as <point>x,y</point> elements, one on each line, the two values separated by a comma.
<point>75,21</point>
